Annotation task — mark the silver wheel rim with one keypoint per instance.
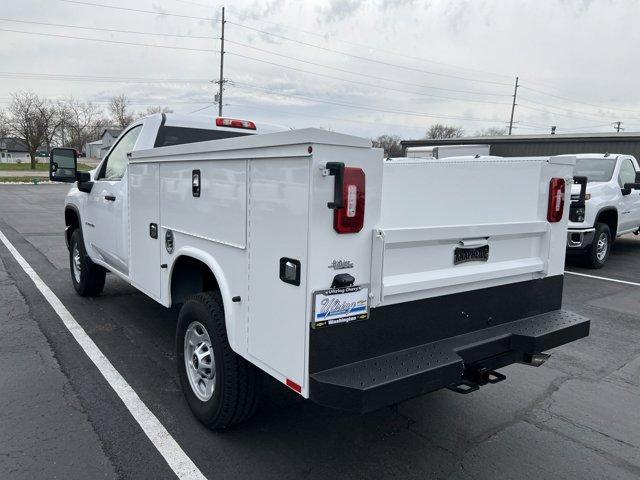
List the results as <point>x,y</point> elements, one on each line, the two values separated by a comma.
<point>602,247</point>
<point>77,262</point>
<point>199,361</point>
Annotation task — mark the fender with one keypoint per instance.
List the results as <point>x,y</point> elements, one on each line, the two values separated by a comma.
<point>214,266</point>
<point>608,208</point>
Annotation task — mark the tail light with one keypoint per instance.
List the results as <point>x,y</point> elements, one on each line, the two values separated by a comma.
<point>234,123</point>
<point>348,207</point>
<point>556,200</point>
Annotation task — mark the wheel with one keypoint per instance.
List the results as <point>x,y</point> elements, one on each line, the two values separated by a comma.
<point>221,387</point>
<point>87,277</point>
<point>598,252</point>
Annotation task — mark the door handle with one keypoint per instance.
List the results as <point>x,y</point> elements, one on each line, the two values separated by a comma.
<point>111,198</point>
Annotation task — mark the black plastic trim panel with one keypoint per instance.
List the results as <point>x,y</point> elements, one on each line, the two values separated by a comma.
<point>405,325</point>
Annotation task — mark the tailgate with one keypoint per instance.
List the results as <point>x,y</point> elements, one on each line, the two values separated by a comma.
<point>465,223</point>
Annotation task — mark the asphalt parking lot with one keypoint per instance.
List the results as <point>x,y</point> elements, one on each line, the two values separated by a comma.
<point>576,417</point>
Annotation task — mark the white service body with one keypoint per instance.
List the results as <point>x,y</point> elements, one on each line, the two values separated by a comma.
<point>265,197</point>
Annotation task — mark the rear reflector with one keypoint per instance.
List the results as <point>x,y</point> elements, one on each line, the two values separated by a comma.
<point>234,123</point>
<point>350,217</point>
<point>293,385</point>
<point>556,200</point>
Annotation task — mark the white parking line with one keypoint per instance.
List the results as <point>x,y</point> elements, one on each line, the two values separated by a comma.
<point>602,278</point>
<point>178,461</point>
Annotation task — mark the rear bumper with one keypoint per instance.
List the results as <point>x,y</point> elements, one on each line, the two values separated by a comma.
<point>408,349</point>
<point>397,376</point>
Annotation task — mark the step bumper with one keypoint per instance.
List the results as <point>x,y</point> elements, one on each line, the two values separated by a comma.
<point>393,377</point>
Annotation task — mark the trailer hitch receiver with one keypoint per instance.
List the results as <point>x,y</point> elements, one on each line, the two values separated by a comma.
<point>474,377</point>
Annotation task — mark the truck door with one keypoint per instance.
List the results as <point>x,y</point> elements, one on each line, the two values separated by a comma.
<point>630,203</point>
<point>105,225</point>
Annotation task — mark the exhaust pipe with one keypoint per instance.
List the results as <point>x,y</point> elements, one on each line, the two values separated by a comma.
<point>535,359</point>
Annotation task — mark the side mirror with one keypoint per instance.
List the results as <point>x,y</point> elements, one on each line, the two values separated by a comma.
<point>84,182</point>
<point>626,190</point>
<point>63,165</point>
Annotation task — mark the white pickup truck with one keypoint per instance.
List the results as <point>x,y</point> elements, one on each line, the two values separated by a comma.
<point>611,205</point>
<point>357,282</point>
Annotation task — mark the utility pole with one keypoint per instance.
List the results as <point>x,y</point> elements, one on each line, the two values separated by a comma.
<point>513,105</point>
<point>221,81</point>
<point>617,126</point>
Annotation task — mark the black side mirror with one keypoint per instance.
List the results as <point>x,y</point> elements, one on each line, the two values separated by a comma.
<point>626,190</point>
<point>84,182</point>
<point>63,165</point>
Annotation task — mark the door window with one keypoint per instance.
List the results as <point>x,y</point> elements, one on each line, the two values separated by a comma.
<point>116,163</point>
<point>627,172</point>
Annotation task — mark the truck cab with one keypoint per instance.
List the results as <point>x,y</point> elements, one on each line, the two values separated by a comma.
<point>611,205</point>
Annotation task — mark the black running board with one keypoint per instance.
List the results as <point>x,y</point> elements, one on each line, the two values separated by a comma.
<point>469,359</point>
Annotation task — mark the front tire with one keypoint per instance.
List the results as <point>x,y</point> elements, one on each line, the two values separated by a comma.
<point>221,387</point>
<point>599,250</point>
<point>87,277</point>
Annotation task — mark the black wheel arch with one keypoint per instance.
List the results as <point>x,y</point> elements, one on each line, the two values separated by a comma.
<point>190,276</point>
<point>71,221</point>
<point>609,215</point>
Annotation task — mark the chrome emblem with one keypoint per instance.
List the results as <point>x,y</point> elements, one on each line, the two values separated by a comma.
<point>341,264</point>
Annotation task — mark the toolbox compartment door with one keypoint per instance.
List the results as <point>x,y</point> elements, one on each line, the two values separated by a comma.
<point>144,221</point>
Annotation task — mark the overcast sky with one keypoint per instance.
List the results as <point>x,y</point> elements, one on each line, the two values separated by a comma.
<point>368,67</point>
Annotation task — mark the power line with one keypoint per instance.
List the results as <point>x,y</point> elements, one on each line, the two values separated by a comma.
<point>579,112</point>
<point>137,10</point>
<point>351,72</point>
<point>120,42</point>
<point>347,120</point>
<point>373,60</point>
<point>554,113</point>
<point>99,79</point>
<point>363,107</point>
<point>107,29</point>
<point>362,83</point>
<point>541,92</point>
<point>324,36</point>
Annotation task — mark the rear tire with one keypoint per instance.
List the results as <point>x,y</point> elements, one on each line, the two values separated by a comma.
<point>598,252</point>
<point>87,277</point>
<point>221,387</point>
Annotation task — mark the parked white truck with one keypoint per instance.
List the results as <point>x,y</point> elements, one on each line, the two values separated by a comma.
<point>356,282</point>
<point>611,205</point>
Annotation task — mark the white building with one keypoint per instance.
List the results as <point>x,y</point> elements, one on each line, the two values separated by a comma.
<point>13,150</point>
<point>109,136</point>
<point>93,149</point>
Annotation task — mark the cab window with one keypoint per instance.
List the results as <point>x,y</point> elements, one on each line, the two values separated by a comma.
<point>627,172</point>
<point>116,163</point>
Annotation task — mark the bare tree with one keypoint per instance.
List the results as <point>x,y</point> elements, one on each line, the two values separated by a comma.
<point>491,132</point>
<point>4,128</point>
<point>390,144</point>
<point>119,108</point>
<point>82,122</point>
<point>33,120</point>
<point>439,131</point>
<point>158,109</point>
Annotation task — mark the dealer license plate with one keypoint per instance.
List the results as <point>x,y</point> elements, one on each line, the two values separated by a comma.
<point>340,305</point>
<point>464,255</point>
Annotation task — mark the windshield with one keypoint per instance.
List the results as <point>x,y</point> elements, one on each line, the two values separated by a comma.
<point>595,169</point>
